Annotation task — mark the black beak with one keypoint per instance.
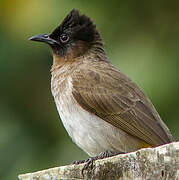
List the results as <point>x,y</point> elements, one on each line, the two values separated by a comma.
<point>43,38</point>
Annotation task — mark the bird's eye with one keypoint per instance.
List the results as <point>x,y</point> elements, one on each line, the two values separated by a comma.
<point>64,38</point>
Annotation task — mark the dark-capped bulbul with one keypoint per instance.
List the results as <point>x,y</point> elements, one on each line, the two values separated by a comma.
<point>100,107</point>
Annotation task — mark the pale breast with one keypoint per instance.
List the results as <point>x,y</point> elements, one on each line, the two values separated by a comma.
<point>88,131</point>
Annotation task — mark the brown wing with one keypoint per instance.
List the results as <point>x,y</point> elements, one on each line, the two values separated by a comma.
<point>103,90</point>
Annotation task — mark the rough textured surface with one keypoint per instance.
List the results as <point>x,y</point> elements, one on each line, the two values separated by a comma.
<point>150,163</point>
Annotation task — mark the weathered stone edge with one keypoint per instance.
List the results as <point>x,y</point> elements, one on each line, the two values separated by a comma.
<point>74,171</point>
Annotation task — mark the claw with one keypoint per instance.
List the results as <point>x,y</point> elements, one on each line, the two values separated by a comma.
<point>89,162</point>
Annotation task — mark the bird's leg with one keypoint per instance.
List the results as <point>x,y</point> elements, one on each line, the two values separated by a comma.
<point>89,161</point>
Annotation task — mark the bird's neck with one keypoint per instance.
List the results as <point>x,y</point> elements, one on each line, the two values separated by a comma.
<point>63,65</point>
<point>95,52</point>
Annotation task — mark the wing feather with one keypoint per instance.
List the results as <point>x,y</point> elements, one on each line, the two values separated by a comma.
<point>116,99</point>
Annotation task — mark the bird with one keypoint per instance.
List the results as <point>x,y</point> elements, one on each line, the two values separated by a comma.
<point>103,111</point>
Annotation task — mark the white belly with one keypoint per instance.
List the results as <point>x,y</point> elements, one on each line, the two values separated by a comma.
<point>88,131</point>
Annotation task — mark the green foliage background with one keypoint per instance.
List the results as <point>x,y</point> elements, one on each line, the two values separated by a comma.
<point>142,40</point>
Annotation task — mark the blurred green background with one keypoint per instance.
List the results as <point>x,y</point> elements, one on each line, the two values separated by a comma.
<point>141,38</point>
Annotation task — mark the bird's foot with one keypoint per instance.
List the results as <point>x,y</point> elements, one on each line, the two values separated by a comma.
<point>89,161</point>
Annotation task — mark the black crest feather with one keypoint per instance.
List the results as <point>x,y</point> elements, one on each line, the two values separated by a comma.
<point>79,26</point>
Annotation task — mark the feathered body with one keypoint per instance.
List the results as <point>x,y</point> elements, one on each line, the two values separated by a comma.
<point>100,107</point>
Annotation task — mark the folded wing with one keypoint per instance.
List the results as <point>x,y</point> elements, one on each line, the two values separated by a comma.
<point>105,91</point>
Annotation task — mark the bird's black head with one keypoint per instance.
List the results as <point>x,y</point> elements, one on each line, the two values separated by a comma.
<point>75,35</point>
